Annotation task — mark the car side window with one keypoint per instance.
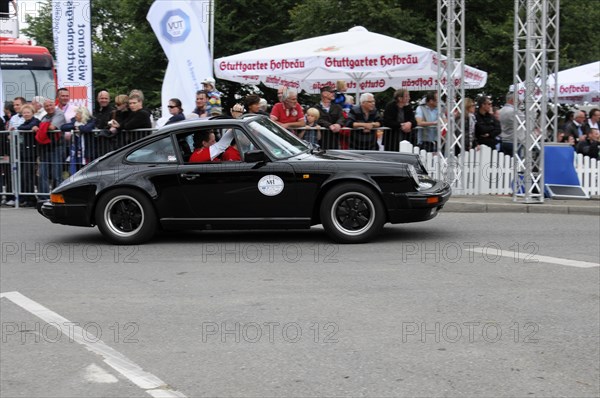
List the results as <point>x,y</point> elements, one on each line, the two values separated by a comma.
<point>190,142</point>
<point>161,151</point>
<point>243,143</point>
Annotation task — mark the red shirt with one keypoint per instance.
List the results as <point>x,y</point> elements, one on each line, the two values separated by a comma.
<point>231,154</point>
<point>201,155</point>
<point>284,115</point>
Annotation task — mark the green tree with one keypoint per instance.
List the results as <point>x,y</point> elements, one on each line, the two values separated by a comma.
<point>388,17</point>
<point>127,55</point>
<point>246,25</point>
<point>40,28</point>
<point>578,33</point>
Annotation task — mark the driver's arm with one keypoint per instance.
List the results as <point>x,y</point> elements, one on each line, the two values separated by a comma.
<point>219,147</point>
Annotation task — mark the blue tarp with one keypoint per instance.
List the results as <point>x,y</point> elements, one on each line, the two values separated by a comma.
<point>558,165</point>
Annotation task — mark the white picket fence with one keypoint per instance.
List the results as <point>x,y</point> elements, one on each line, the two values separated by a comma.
<point>489,172</point>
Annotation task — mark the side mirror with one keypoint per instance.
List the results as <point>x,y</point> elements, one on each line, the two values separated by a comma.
<point>255,156</point>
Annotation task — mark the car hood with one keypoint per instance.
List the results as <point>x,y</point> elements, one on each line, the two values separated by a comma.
<point>365,156</point>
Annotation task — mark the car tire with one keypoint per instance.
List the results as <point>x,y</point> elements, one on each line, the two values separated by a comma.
<point>126,217</point>
<point>352,213</point>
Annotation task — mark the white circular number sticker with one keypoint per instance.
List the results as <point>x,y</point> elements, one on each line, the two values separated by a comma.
<point>270,185</point>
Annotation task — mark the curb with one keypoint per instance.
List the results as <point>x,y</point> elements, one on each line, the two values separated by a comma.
<point>458,206</point>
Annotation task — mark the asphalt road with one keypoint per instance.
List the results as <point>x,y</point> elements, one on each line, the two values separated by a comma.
<point>481,305</point>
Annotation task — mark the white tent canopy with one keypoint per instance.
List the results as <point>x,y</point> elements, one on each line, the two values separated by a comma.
<point>577,85</point>
<point>367,61</point>
<point>580,84</point>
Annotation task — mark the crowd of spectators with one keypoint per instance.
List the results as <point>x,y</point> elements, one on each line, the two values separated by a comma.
<point>57,138</point>
<point>64,137</point>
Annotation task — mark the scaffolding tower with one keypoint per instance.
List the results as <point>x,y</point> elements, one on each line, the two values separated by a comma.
<point>451,91</point>
<point>536,44</point>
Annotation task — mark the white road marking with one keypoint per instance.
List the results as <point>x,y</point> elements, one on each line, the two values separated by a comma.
<point>529,258</point>
<point>146,381</point>
<point>95,374</point>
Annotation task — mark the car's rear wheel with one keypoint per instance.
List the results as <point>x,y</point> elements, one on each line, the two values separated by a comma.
<point>126,217</point>
<point>352,213</point>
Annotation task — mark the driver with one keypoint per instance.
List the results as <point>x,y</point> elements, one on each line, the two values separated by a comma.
<point>232,153</point>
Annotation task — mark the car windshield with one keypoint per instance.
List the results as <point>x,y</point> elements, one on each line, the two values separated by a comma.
<point>275,139</point>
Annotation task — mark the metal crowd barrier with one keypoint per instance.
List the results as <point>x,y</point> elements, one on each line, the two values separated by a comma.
<point>357,138</point>
<point>29,170</point>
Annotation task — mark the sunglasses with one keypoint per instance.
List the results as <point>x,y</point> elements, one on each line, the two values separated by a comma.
<point>171,106</point>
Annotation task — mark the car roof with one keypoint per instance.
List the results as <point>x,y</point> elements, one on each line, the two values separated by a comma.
<point>201,123</point>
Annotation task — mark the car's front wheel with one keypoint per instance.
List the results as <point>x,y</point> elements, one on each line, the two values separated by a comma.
<point>125,217</point>
<point>352,213</point>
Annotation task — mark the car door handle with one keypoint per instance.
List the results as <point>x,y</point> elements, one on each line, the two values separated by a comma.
<point>190,176</point>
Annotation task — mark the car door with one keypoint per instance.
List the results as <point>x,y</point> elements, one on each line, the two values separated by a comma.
<point>156,171</point>
<point>240,193</point>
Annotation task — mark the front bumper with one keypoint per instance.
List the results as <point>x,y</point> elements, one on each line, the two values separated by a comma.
<point>419,205</point>
<point>66,214</point>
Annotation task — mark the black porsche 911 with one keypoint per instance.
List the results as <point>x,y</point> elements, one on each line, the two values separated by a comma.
<point>281,182</point>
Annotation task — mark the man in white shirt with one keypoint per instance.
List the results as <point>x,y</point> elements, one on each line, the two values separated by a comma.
<point>64,104</point>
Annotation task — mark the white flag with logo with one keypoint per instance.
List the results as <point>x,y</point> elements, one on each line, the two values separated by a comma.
<point>181,27</point>
<point>71,28</point>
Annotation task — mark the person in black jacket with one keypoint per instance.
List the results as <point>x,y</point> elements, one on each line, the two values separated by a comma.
<point>331,119</point>
<point>487,127</point>
<point>364,119</point>
<point>137,118</point>
<point>175,110</point>
<point>400,118</point>
<point>589,145</point>
<point>28,151</point>
<point>103,112</point>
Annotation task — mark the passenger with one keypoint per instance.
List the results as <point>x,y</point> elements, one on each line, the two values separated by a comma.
<point>207,149</point>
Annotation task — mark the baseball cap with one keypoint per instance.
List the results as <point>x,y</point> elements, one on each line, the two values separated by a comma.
<point>327,88</point>
<point>209,80</point>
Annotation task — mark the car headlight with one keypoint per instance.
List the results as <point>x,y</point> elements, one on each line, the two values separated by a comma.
<point>423,185</point>
<point>413,173</point>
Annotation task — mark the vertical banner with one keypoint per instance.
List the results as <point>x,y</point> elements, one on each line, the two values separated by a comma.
<point>71,28</point>
<point>181,27</point>
<point>2,99</point>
